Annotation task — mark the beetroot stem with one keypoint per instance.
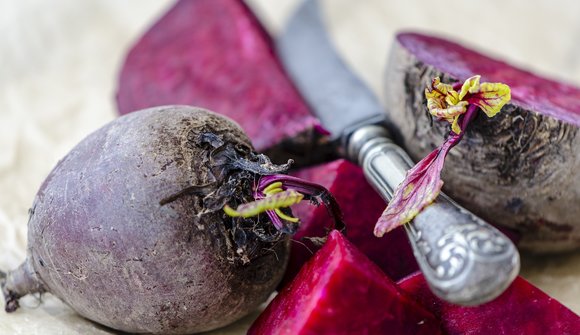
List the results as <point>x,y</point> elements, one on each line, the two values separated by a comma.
<point>465,121</point>
<point>274,192</point>
<point>311,191</point>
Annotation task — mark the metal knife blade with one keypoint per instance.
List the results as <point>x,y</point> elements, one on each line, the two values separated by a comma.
<point>307,53</point>
<point>464,259</point>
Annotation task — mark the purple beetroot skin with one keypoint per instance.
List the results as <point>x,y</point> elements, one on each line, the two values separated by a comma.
<point>129,230</point>
<point>518,169</point>
<point>215,54</point>
<point>361,207</point>
<point>521,309</point>
<point>340,291</point>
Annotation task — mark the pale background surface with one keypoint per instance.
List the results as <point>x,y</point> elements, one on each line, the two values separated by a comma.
<point>59,61</point>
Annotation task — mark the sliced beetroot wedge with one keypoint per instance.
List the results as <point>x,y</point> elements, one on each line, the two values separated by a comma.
<point>340,291</point>
<point>215,54</point>
<point>519,168</point>
<point>521,309</point>
<point>361,207</point>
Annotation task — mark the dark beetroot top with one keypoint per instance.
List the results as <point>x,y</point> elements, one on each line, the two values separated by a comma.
<point>545,96</point>
<point>214,54</point>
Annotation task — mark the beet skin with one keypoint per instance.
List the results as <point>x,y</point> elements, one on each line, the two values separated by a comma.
<point>340,291</point>
<point>124,229</point>
<point>215,54</point>
<point>521,309</point>
<point>518,169</point>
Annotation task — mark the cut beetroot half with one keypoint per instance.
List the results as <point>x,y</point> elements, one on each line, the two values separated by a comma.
<point>517,169</point>
<point>215,54</point>
<point>361,207</point>
<point>521,309</point>
<point>340,291</point>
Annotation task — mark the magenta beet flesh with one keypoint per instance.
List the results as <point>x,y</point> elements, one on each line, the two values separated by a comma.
<point>214,54</point>
<point>340,291</point>
<point>361,207</point>
<point>528,90</point>
<point>522,309</point>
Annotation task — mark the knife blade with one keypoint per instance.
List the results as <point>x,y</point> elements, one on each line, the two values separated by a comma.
<point>464,259</point>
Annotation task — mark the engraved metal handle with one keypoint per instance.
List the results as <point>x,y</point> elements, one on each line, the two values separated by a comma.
<point>465,260</point>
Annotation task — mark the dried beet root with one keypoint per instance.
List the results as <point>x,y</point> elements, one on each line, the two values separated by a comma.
<point>361,207</point>
<point>128,229</point>
<point>518,169</point>
<point>521,309</point>
<point>340,291</point>
<point>216,55</point>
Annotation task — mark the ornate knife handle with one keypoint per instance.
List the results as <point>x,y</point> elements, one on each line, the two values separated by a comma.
<point>465,260</point>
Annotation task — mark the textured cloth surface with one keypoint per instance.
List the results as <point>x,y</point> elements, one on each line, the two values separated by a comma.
<point>59,64</point>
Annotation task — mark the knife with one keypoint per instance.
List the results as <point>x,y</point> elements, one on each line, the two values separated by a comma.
<point>464,260</point>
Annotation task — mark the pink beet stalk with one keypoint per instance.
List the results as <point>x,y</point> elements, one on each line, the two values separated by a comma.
<point>277,191</point>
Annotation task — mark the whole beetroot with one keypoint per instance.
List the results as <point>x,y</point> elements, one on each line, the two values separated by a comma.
<point>128,229</point>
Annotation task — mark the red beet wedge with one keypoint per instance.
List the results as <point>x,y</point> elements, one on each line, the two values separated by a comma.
<point>361,207</point>
<point>215,54</point>
<point>340,291</point>
<point>522,309</point>
<point>517,169</point>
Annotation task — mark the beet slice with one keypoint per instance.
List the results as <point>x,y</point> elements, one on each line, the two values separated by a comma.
<point>521,309</point>
<point>340,291</point>
<point>361,207</point>
<point>518,169</point>
<point>215,54</point>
